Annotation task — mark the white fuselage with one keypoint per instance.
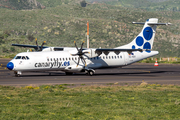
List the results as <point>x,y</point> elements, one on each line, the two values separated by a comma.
<point>64,61</point>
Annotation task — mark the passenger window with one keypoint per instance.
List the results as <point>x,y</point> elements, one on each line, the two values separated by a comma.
<point>118,57</point>
<point>109,57</point>
<point>48,59</point>
<point>63,59</point>
<point>69,58</point>
<point>75,58</point>
<point>112,57</point>
<point>115,57</point>
<point>60,59</point>
<point>72,58</point>
<point>106,57</point>
<point>51,59</point>
<point>103,57</point>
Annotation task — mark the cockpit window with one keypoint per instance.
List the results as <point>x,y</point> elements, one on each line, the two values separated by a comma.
<point>18,57</point>
<point>22,57</point>
<point>27,57</point>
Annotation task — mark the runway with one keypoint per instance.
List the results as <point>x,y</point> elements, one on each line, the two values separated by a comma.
<point>128,75</point>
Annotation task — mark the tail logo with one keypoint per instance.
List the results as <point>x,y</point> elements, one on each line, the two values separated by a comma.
<point>144,41</point>
<point>148,33</point>
<point>139,41</point>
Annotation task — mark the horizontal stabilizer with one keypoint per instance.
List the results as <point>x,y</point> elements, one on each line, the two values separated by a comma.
<point>142,23</point>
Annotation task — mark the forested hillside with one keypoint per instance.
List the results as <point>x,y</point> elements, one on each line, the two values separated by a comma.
<point>110,26</point>
<point>150,5</point>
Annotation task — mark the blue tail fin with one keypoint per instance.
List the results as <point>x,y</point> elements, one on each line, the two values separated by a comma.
<point>145,38</point>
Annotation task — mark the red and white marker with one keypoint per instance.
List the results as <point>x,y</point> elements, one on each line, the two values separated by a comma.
<point>156,63</point>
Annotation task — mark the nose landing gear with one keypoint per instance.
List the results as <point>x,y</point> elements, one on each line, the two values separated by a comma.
<point>17,73</point>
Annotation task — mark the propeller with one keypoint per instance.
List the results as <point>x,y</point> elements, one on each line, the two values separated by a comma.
<point>80,53</point>
<point>39,49</point>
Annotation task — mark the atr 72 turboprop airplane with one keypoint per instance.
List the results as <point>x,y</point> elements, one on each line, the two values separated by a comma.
<point>87,60</point>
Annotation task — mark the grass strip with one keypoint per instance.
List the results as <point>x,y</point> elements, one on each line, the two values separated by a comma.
<point>67,102</point>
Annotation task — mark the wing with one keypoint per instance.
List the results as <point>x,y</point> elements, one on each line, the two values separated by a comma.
<point>117,51</point>
<point>28,46</point>
<point>36,48</point>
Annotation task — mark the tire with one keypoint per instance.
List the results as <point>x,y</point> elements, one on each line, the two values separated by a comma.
<point>91,73</point>
<point>17,75</point>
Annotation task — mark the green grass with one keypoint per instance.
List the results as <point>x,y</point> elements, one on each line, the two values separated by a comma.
<point>146,101</point>
<point>150,60</point>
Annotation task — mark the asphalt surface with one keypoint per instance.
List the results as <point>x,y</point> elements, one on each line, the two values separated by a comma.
<point>132,74</point>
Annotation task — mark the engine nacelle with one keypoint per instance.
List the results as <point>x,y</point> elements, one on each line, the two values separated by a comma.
<point>48,49</point>
<point>74,68</point>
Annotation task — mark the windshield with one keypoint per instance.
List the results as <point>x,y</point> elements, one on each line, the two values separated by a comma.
<point>18,57</point>
<point>22,57</point>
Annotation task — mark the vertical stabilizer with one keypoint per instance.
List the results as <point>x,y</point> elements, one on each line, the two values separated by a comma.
<point>145,38</point>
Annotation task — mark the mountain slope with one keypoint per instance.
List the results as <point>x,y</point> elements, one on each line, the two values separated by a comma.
<point>20,4</point>
<point>150,5</point>
<point>110,26</point>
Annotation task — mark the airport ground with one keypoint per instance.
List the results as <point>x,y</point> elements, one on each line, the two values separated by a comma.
<point>128,75</point>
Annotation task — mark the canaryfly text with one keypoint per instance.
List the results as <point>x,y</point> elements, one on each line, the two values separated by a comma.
<point>51,64</point>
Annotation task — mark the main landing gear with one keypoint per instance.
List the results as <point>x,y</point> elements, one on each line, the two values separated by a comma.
<point>90,72</point>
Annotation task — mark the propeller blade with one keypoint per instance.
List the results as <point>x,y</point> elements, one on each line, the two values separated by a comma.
<point>83,60</point>
<point>78,61</point>
<point>86,52</point>
<point>42,45</point>
<point>37,44</point>
<point>81,46</point>
<point>76,46</point>
<point>80,53</point>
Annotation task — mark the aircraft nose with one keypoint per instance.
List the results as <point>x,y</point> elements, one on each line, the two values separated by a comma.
<point>10,65</point>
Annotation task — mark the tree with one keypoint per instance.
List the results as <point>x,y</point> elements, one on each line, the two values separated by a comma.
<point>30,37</point>
<point>83,3</point>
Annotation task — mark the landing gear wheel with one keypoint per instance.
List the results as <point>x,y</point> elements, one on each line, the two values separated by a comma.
<point>17,75</point>
<point>90,72</point>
